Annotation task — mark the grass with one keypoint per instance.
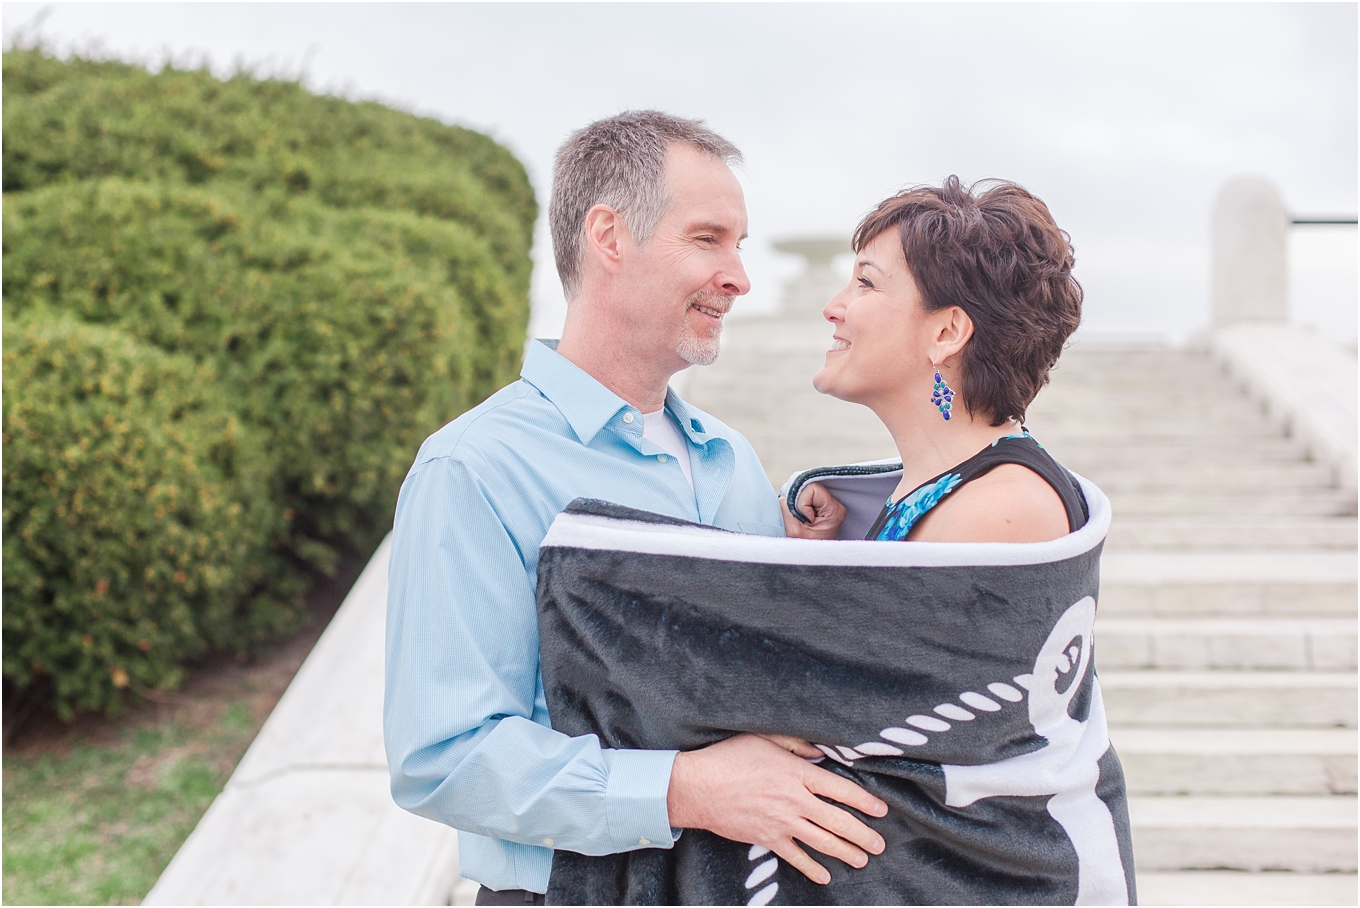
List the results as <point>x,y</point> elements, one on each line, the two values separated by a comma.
<point>95,809</point>
<point>97,825</point>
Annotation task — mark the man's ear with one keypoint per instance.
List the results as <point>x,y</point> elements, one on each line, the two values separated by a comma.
<point>604,234</point>
<point>954,328</point>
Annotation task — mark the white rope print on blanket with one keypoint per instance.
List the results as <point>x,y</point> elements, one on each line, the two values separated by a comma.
<point>1067,768</point>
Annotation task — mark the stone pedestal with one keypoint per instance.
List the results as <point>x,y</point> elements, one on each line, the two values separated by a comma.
<point>811,290</point>
<point>1249,276</point>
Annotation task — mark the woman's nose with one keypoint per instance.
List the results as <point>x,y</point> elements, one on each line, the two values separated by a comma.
<point>834,310</point>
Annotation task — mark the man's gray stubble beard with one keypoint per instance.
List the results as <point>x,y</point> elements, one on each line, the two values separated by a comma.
<point>696,350</point>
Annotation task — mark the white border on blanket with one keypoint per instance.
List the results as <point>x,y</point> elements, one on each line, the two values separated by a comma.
<point>591,531</point>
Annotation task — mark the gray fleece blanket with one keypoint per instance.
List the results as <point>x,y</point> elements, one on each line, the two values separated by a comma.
<point>954,681</point>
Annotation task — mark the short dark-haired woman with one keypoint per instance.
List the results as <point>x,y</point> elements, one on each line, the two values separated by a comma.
<point>960,302</point>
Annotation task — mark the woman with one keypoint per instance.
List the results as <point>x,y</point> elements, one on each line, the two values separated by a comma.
<point>960,302</point>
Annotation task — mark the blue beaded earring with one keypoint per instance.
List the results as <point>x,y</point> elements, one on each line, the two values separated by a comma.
<point>943,395</point>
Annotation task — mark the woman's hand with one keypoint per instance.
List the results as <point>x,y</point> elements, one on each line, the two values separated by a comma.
<point>796,746</point>
<point>826,511</point>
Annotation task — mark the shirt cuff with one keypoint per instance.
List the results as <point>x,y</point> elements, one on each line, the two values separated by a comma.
<point>635,798</point>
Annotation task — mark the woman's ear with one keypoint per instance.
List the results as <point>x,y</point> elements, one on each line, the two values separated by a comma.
<point>603,234</point>
<point>953,330</point>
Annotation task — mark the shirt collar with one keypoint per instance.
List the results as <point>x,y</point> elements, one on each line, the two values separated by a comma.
<point>587,405</point>
<point>687,417</point>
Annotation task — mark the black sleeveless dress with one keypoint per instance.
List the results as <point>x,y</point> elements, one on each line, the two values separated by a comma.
<point>897,518</point>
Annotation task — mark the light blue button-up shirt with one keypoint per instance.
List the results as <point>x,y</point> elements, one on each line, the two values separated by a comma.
<point>465,722</point>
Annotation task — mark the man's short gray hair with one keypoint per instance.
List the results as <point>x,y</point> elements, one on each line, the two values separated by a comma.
<point>619,162</point>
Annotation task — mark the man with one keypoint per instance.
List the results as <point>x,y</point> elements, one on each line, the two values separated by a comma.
<point>646,220</point>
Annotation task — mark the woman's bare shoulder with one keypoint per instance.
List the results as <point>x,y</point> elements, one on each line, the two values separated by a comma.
<point>1010,503</point>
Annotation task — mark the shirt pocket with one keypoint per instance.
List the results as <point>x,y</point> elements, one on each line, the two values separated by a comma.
<point>762,529</point>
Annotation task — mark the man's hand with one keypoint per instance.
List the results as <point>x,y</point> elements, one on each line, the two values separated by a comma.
<point>751,790</point>
<point>825,509</point>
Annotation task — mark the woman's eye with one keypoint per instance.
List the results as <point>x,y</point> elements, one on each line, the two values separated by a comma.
<point>866,283</point>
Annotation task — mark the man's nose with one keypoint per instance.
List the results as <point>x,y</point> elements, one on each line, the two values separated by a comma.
<point>733,279</point>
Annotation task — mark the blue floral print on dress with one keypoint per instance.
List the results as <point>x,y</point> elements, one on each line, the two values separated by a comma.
<point>1023,433</point>
<point>903,515</point>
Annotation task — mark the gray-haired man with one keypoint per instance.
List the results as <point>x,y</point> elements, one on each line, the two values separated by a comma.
<point>647,219</point>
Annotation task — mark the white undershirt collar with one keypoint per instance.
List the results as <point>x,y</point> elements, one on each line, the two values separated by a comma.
<point>660,429</point>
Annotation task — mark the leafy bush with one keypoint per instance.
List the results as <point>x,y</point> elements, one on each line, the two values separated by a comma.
<point>339,280</point>
<point>345,334</point>
<point>136,515</point>
<point>87,119</point>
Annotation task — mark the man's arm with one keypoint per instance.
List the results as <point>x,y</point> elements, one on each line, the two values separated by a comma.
<point>462,746</point>
<point>462,681</point>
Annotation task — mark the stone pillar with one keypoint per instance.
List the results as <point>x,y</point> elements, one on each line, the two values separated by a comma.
<point>1249,276</point>
<point>811,290</point>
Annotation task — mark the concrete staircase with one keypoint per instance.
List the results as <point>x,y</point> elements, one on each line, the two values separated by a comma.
<point>1226,639</point>
<point>1227,631</point>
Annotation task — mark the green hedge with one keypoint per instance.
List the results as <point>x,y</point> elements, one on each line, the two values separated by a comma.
<point>84,120</point>
<point>347,334</point>
<point>344,277</point>
<point>136,515</point>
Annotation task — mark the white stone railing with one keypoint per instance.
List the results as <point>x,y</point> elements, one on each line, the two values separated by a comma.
<point>1299,376</point>
<point>307,818</point>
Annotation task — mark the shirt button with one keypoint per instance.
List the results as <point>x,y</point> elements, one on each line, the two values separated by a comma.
<point>548,842</point>
<point>661,458</point>
<point>628,417</point>
<point>644,842</point>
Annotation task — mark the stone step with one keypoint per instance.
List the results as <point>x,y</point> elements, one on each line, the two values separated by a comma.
<point>1237,761</point>
<point>1227,699</point>
<point>1137,402</point>
<point>1221,502</point>
<point>1223,454</point>
<point>1236,887</point>
<point>1158,470</point>
<point>1129,416</point>
<point>1302,644</point>
<point>1146,429</point>
<point>1253,444</point>
<point>1192,382</point>
<point>1146,365</point>
<point>1312,835</point>
<point>1179,533</point>
<point>1174,584</point>
<point>1210,400</point>
<point>1204,599</point>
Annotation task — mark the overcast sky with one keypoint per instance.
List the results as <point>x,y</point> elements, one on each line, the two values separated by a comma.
<point>1126,119</point>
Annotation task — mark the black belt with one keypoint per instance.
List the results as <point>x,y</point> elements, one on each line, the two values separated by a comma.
<point>507,897</point>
